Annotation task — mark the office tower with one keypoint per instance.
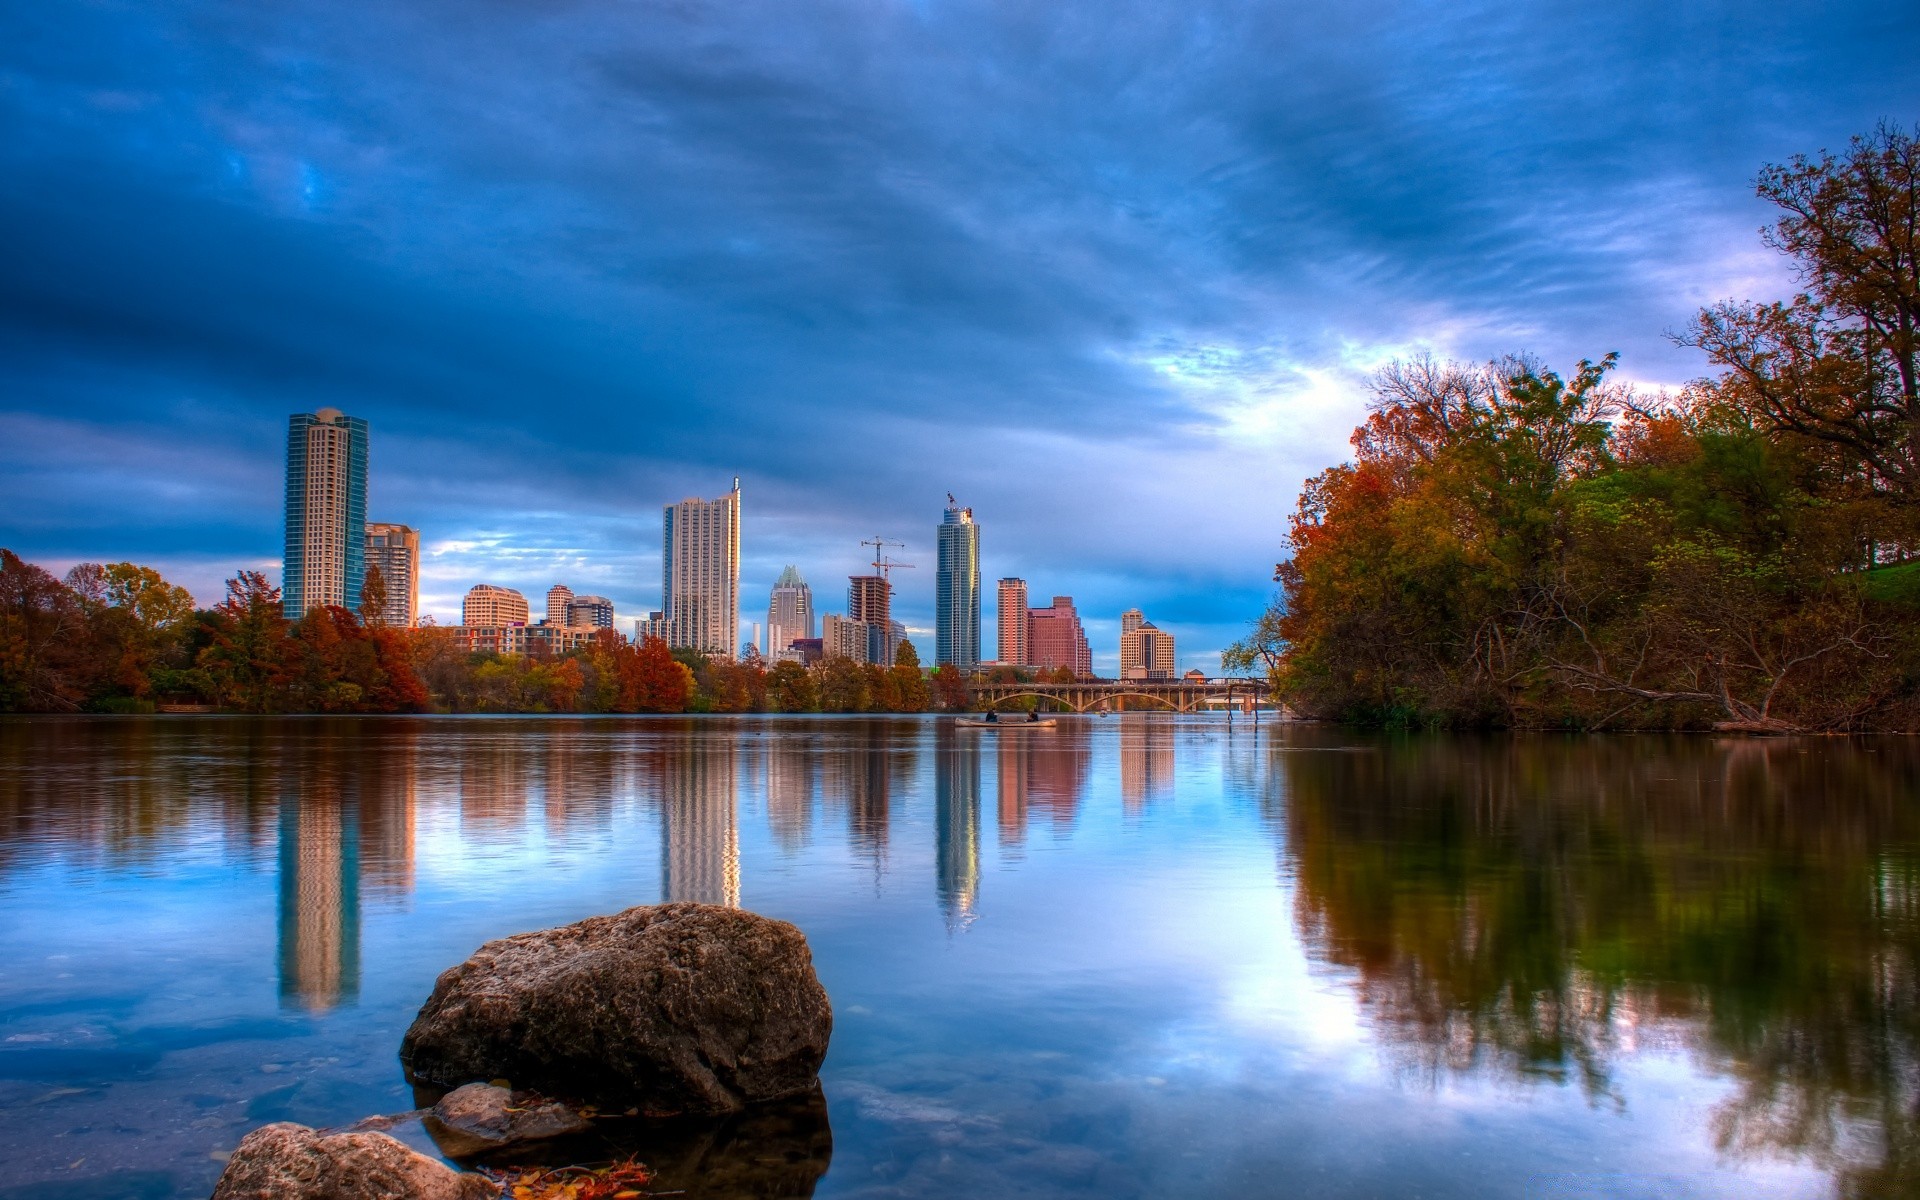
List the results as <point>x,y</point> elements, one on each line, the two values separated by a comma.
<point>870,602</point>
<point>1055,638</point>
<point>789,613</point>
<point>1146,652</point>
<point>956,621</point>
<point>843,637</point>
<point>395,549</point>
<point>326,551</point>
<point>1012,650</point>
<point>584,612</point>
<point>490,607</point>
<point>557,597</point>
<point>700,573</point>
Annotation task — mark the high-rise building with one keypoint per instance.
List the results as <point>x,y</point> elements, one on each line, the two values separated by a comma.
<point>491,607</point>
<point>844,637</point>
<point>870,602</point>
<point>700,573</point>
<point>956,620</point>
<point>1056,639</point>
<point>395,549</point>
<point>1012,650</point>
<point>583,612</point>
<point>1146,652</point>
<point>789,613</point>
<point>326,517</point>
<point>557,597</point>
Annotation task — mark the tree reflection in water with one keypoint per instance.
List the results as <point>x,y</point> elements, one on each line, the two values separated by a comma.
<point>1540,907</point>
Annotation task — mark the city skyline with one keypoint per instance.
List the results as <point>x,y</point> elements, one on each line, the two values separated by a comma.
<point>1173,317</point>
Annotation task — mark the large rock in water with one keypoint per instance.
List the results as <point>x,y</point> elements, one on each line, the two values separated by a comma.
<point>679,1008</point>
<point>292,1162</point>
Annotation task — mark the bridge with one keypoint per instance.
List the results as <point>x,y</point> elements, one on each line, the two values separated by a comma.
<point>1123,695</point>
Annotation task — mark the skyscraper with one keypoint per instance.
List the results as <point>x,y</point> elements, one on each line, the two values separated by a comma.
<point>326,551</point>
<point>870,601</point>
<point>395,549</point>
<point>557,597</point>
<point>700,573</point>
<point>1056,639</point>
<point>956,622</point>
<point>789,613</point>
<point>1013,623</point>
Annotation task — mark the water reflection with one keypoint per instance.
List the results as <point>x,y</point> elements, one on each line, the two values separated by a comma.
<point>699,825</point>
<point>1545,909</point>
<point>319,922</point>
<point>219,928</point>
<point>957,824</point>
<point>1041,773</point>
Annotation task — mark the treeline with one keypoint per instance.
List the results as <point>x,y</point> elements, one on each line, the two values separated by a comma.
<point>1515,547</point>
<point>120,638</point>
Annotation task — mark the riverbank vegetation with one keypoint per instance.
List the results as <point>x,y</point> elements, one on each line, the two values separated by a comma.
<point>1515,546</point>
<point>119,638</point>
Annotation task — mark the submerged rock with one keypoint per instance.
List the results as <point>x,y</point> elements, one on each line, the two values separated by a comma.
<point>676,1008</point>
<point>293,1162</point>
<point>480,1117</point>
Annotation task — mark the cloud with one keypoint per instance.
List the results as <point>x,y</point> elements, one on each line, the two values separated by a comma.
<point>1115,273</point>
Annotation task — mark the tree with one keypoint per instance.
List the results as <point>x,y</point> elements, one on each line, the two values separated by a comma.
<point>39,621</point>
<point>841,685</point>
<point>248,658</point>
<point>1839,364</point>
<point>653,680</point>
<point>790,688</point>
<point>949,687</point>
<point>373,598</point>
<point>906,682</point>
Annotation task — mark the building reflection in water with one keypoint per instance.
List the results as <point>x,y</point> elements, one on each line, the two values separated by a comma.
<point>790,789</point>
<point>1040,773</point>
<point>957,823</point>
<point>1146,761</point>
<point>319,920</point>
<point>699,827</point>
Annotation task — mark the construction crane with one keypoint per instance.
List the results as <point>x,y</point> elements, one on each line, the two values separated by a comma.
<point>882,565</point>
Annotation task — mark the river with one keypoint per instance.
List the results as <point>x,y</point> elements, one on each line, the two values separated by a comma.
<point>1134,956</point>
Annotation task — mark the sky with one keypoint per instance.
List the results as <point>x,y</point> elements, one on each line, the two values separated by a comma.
<point>1113,273</point>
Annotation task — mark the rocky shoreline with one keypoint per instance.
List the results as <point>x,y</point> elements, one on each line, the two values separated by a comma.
<point>680,1027</point>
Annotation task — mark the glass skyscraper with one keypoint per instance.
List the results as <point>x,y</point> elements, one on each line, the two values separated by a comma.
<point>700,573</point>
<point>326,553</point>
<point>956,622</point>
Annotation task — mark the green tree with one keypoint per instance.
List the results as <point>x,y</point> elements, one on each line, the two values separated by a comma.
<point>906,682</point>
<point>790,688</point>
<point>841,685</point>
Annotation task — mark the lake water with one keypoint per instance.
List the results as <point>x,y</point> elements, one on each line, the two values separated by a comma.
<point>1139,956</point>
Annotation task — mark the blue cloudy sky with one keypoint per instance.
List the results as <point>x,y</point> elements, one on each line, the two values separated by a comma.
<point>1113,272</point>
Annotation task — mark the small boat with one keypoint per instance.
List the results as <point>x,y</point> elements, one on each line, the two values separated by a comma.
<point>1015,723</point>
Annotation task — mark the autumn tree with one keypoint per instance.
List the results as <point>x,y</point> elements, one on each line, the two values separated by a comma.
<point>373,598</point>
<point>248,657</point>
<point>790,688</point>
<point>40,620</point>
<point>949,686</point>
<point>652,680</point>
<point>1839,364</point>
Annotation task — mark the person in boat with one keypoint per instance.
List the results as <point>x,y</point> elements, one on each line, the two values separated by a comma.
<point>1033,714</point>
<point>993,716</point>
